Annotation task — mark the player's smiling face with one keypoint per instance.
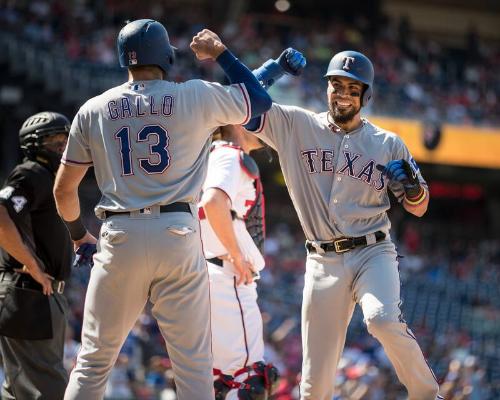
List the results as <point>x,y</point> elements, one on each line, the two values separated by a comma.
<point>344,98</point>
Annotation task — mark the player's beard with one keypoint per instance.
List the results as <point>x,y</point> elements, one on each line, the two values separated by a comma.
<point>342,116</point>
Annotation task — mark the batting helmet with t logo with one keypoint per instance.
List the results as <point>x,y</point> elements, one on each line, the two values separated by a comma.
<point>145,42</point>
<point>354,65</point>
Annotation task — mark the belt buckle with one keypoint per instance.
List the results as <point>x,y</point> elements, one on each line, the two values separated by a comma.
<point>337,244</point>
<point>60,287</point>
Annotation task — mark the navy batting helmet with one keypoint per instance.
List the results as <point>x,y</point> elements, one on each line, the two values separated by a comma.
<point>145,42</point>
<point>354,65</point>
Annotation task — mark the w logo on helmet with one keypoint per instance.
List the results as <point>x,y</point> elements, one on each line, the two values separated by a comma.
<point>347,62</point>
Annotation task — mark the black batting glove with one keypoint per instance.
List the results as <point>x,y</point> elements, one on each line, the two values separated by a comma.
<point>401,171</point>
<point>85,255</point>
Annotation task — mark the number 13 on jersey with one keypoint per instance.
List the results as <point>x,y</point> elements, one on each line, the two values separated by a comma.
<point>158,159</point>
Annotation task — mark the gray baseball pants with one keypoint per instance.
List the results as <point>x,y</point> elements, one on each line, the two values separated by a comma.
<point>334,283</point>
<point>159,257</point>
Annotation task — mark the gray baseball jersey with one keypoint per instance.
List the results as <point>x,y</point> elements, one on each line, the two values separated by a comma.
<point>149,144</point>
<point>143,149</point>
<point>337,191</point>
<point>332,176</point>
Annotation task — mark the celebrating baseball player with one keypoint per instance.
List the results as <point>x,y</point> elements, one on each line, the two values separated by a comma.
<point>233,228</point>
<point>148,140</point>
<point>339,168</point>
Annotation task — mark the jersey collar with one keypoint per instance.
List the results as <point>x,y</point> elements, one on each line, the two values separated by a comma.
<point>336,129</point>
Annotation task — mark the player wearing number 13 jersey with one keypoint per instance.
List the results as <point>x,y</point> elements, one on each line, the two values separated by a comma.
<point>148,141</point>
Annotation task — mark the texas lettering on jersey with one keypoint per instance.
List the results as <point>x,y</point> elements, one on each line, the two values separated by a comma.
<point>355,166</point>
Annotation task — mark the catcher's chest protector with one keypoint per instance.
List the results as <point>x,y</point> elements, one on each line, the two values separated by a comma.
<point>255,217</point>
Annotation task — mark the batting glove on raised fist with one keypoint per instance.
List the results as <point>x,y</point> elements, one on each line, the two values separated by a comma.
<point>290,62</point>
<point>84,255</point>
<point>401,171</point>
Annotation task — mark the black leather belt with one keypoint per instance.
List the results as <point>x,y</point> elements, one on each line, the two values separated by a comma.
<point>29,283</point>
<point>174,207</point>
<point>216,261</point>
<point>342,245</point>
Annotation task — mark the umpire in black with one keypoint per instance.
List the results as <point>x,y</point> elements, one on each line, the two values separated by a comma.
<point>35,260</point>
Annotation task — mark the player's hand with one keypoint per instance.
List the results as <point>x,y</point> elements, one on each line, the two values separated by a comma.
<point>206,45</point>
<point>292,61</point>
<point>395,171</point>
<point>401,171</point>
<point>243,267</point>
<point>85,249</point>
<point>85,255</point>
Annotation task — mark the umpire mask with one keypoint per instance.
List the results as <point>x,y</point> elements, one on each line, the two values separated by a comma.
<point>43,138</point>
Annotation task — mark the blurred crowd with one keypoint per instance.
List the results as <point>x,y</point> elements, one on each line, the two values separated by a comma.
<point>415,75</point>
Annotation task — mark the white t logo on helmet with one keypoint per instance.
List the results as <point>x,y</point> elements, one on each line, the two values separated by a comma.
<point>347,61</point>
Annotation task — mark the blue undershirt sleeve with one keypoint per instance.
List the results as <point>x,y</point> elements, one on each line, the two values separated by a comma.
<point>239,73</point>
<point>253,124</point>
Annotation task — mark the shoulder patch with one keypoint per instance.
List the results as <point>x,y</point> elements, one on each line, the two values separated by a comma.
<point>19,202</point>
<point>6,192</point>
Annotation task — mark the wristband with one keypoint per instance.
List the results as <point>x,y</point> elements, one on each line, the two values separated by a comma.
<point>76,228</point>
<point>415,201</point>
<point>413,191</point>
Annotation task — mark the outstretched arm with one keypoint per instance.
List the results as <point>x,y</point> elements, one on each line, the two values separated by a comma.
<point>207,45</point>
<point>290,62</point>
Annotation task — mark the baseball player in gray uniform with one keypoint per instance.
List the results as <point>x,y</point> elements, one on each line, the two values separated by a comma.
<point>338,168</point>
<point>148,141</point>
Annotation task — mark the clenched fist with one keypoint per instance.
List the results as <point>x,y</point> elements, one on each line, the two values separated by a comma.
<point>206,45</point>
